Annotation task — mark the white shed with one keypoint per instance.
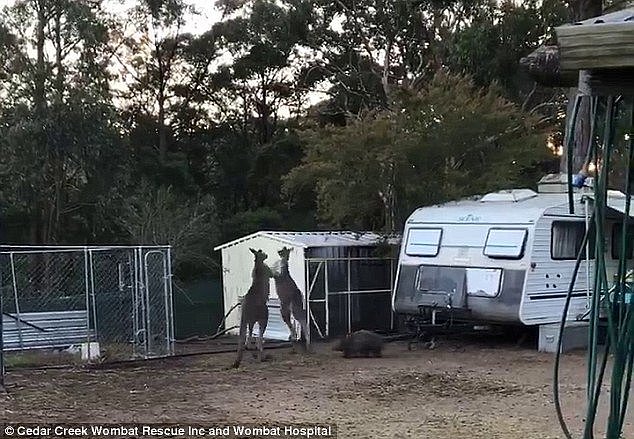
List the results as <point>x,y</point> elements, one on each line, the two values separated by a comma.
<point>331,266</point>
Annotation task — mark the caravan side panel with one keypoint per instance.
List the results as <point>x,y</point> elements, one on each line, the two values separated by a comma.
<point>547,280</point>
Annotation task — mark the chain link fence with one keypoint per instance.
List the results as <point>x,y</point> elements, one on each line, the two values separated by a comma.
<point>350,293</point>
<point>71,304</point>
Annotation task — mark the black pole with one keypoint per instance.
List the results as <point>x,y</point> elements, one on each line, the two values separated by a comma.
<point>1,327</point>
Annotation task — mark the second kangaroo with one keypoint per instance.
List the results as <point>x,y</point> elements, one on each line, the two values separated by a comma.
<point>291,299</point>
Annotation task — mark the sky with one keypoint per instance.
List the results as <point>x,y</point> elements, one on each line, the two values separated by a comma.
<point>195,25</point>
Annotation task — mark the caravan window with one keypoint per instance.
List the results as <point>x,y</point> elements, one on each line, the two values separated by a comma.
<point>505,243</point>
<point>616,241</point>
<point>566,240</point>
<point>477,281</point>
<point>423,242</point>
<point>440,279</point>
<point>484,281</point>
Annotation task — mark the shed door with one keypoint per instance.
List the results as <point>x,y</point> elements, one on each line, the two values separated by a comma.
<point>317,298</point>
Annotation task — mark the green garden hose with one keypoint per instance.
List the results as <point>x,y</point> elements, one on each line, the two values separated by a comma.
<point>564,316</point>
<point>616,299</point>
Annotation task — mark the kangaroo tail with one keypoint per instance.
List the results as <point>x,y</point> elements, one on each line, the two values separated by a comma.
<point>241,341</point>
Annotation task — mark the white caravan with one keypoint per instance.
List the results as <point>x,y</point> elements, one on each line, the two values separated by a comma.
<point>506,257</point>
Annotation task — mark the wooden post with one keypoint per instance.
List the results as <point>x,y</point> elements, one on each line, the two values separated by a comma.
<point>581,10</point>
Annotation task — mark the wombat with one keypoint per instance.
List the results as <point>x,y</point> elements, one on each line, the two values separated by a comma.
<point>360,343</point>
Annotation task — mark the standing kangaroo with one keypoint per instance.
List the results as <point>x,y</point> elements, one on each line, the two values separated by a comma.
<point>254,305</point>
<point>291,299</point>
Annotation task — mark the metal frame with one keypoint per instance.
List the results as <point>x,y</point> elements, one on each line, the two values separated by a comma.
<point>1,339</point>
<point>322,263</point>
<point>137,274</point>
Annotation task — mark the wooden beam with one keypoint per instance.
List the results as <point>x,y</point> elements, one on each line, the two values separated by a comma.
<point>598,43</point>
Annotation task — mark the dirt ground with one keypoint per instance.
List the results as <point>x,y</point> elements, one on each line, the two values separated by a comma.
<point>462,389</point>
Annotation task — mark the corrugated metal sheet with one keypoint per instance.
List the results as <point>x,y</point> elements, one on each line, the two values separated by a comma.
<point>276,329</point>
<point>42,330</point>
<point>623,15</point>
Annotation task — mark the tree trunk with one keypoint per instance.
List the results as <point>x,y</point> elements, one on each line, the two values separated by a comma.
<point>161,128</point>
<point>59,83</point>
<point>585,9</point>
<point>40,69</point>
<point>385,79</point>
<point>581,133</point>
<point>52,226</point>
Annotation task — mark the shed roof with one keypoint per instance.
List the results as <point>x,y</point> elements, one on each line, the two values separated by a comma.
<point>318,239</point>
<point>623,15</point>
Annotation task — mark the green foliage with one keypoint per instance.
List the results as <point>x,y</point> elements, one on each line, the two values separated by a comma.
<point>347,179</point>
<point>490,47</point>
<point>251,221</point>
<point>60,152</point>
<point>92,103</point>
<point>156,216</point>
<point>446,141</point>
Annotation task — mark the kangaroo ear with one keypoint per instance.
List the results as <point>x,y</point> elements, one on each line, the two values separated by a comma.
<point>253,251</point>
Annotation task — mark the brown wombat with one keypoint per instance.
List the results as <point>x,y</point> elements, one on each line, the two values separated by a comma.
<point>360,343</point>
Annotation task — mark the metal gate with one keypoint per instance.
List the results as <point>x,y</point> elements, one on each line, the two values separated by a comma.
<point>117,300</point>
<point>347,294</point>
<point>317,297</point>
<point>156,298</point>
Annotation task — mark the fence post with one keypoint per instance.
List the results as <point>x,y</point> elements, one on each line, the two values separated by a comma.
<point>171,300</point>
<point>134,287</point>
<point>144,303</point>
<point>391,293</point>
<point>1,327</point>
<point>166,300</point>
<point>307,302</point>
<point>87,293</point>
<point>91,264</point>
<point>349,297</point>
<point>17,302</point>
<point>326,296</point>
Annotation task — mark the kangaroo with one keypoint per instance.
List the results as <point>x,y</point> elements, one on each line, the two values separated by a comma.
<point>254,305</point>
<point>291,299</point>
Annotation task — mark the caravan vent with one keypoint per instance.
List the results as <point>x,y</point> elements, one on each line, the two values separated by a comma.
<point>513,195</point>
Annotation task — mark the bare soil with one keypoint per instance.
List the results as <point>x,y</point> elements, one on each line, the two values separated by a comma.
<point>462,389</point>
